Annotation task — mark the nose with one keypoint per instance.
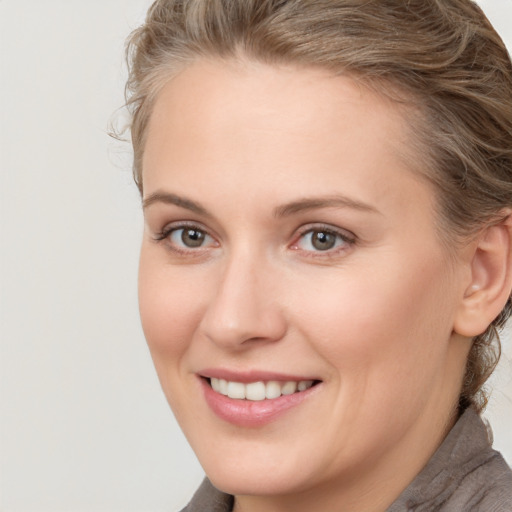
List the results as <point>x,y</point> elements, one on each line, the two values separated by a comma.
<point>244,309</point>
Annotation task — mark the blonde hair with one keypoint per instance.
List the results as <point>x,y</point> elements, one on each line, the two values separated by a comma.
<point>444,55</point>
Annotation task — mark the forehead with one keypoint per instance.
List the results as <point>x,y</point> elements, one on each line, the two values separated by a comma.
<point>211,91</point>
<point>297,129</point>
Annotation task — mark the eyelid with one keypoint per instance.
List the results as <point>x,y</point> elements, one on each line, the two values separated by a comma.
<point>322,226</point>
<point>346,236</point>
<point>164,235</point>
<point>181,224</point>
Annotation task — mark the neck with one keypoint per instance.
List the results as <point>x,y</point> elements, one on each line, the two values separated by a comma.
<point>371,487</point>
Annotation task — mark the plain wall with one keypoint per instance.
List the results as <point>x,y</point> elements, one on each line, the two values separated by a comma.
<point>83,423</point>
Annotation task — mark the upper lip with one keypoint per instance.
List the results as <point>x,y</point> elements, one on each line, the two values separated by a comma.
<point>252,375</point>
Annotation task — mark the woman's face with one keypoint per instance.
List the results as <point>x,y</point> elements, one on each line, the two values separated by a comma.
<point>290,253</point>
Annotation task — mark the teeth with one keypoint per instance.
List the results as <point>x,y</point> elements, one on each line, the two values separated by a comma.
<point>236,390</point>
<point>304,384</point>
<point>223,386</point>
<point>272,389</point>
<point>257,391</point>
<point>289,388</point>
<point>215,385</point>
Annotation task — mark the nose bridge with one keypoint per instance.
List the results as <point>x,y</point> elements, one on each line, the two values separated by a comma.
<point>244,307</point>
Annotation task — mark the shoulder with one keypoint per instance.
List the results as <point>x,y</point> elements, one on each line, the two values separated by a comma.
<point>485,488</point>
<point>209,499</point>
<point>464,475</point>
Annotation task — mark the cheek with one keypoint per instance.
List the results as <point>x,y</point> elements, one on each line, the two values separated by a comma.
<point>169,310</point>
<point>386,328</point>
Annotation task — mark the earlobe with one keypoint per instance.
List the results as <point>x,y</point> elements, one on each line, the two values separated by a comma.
<point>491,278</point>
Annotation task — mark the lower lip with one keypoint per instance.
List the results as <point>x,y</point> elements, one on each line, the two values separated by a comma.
<point>249,413</point>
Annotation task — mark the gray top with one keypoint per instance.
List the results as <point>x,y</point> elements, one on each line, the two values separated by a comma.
<point>464,475</point>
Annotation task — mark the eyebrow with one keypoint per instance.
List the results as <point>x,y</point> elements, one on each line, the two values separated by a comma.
<point>314,203</point>
<point>182,202</point>
<point>301,205</point>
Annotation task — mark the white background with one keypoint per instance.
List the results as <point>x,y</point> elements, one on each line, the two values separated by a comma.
<point>84,425</point>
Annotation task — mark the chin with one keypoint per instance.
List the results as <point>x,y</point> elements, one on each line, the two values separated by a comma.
<point>247,482</point>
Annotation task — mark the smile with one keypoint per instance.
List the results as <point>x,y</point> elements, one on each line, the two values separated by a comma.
<point>257,391</point>
<point>258,400</point>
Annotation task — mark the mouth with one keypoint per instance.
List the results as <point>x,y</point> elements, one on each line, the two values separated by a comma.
<point>255,398</point>
<point>259,390</point>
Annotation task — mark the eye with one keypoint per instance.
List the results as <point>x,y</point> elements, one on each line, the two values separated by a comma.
<point>323,240</point>
<point>186,238</point>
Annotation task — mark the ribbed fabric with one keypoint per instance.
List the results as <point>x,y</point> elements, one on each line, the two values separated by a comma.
<point>209,499</point>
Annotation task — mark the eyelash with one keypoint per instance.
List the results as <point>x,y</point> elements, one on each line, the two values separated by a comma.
<point>347,240</point>
<point>166,233</point>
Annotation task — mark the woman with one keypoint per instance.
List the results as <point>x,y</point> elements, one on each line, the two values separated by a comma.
<point>327,252</point>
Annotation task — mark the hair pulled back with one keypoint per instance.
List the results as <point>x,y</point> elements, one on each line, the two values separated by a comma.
<point>442,58</point>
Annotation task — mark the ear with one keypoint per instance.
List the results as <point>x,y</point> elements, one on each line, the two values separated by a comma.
<point>490,278</point>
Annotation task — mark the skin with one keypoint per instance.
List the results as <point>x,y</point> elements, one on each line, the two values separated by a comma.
<point>372,318</point>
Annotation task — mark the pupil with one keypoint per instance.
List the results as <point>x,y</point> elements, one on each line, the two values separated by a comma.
<point>323,240</point>
<point>192,237</point>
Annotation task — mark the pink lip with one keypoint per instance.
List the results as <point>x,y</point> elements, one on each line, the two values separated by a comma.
<point>248,413</point>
